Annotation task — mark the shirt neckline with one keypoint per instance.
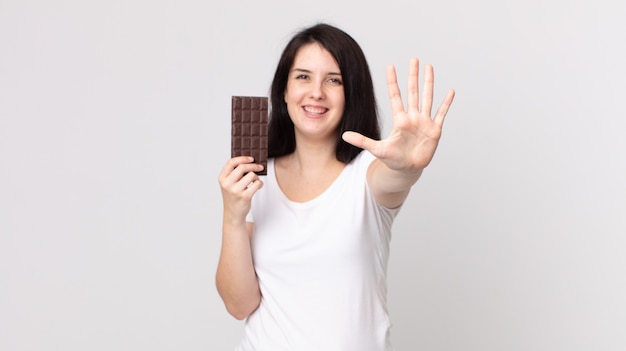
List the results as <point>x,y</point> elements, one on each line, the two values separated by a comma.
<point>271,174</point>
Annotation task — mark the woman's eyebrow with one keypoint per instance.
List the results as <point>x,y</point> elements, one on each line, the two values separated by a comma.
<point>308,71</point>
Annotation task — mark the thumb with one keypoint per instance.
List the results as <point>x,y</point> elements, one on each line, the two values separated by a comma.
<point>359,140</point>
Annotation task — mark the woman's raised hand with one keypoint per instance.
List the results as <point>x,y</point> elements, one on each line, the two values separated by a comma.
<point>415,134</point>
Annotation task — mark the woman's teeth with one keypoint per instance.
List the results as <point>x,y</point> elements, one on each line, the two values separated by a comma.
<point>315,110</point>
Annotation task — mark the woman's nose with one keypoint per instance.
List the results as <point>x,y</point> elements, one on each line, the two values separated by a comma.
<point>317,90</point>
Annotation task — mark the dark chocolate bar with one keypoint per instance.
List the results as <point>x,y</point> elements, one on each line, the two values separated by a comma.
<point>249,128</point>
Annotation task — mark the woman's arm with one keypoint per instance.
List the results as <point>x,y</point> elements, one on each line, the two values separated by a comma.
<point>412,142</point>
<point>236,279</point>
<point>390,188</point>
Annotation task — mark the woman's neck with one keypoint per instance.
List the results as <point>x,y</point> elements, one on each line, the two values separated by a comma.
<point>307,172</point>
<point>311,157</point>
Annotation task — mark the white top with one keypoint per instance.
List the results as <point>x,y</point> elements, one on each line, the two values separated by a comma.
<point>322,267</point>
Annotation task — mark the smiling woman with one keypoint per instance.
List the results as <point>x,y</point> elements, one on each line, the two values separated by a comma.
<point>314,95</point>
<point>305,249</point>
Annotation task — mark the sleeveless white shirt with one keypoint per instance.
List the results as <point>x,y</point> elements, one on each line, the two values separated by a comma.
<point>321,266</point>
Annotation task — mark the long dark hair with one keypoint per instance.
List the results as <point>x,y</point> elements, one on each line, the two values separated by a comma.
<point>360,111</point>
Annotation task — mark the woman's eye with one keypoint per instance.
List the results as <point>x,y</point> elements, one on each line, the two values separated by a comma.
<point>335,81</point>
<point>302,76</point>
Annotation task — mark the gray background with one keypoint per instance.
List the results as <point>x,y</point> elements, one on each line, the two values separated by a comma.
<point>114,123</point>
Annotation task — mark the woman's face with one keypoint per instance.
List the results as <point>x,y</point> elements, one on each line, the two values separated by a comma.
<point>314,95</point>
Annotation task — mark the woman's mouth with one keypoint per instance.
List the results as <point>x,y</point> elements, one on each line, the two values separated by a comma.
<point>315,110</point>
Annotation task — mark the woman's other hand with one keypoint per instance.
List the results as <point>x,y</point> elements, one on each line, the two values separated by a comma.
<point>415,134</point>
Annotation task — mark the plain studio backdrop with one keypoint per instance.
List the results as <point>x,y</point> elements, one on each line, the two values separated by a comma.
<point>115,121</point>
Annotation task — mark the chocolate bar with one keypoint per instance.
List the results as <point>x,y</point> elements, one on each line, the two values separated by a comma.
<point>249,128</point>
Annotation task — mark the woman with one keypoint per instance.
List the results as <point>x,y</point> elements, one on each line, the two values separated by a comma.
<point>305,248</point>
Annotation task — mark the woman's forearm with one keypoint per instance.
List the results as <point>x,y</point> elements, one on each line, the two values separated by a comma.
<point>236,279</point>
<point>389,187</point>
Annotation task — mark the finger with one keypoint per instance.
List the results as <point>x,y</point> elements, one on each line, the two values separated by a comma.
<point>239,172</point>
<point>413,86</point>
<point>244,169</point>
<point>232,163</point>
<point>254,186</point>
<point>442,111</point>
<point>244,183</point>
<point>427,94</point>
<point>241,184</point>
<point>360,140</point>
<point>393,90</point>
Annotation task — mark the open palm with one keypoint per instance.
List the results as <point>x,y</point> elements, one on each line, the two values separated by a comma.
<point>414,137</point>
